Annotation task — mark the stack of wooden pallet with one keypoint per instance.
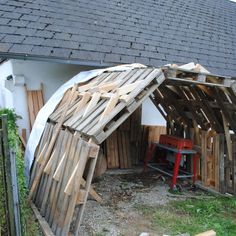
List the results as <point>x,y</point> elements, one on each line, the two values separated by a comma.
<point>61,189</point>
<point>87,114</point>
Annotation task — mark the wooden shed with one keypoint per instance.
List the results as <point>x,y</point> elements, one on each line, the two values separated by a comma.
<point>103,113</point>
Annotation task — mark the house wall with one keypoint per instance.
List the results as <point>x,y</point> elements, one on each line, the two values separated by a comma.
<point>150,115</point>
<point>6,99</point>
<point>32,74</point>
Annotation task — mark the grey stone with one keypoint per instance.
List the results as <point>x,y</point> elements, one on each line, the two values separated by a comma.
<point>12,15</point>
<point>112,58</point>
<point>19,48</point>
<point>29,17</point>
<point>11,38</point>
<point>41,50</point>
<point>36,25</point>
<point>19,23</point>
<point>33,40</point>
<point>25,31</point>
<point>4,47</point>
<point>44,33</point>
<point>61,52</point>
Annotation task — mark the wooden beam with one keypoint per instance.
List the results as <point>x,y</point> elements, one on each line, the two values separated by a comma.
<point>227,137</point>
<point>42,222</point>
<point>190,81</point>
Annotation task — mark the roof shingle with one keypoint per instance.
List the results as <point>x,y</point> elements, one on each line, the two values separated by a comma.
<point>123,31</point>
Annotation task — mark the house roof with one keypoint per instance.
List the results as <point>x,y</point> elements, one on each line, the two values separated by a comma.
<point>107,32</point>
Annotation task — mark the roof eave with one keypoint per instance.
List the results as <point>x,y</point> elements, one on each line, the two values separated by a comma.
<point>19,56</point>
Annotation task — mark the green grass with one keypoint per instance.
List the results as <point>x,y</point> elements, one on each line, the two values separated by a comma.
<point>195,216</point>
<point>28,222</point>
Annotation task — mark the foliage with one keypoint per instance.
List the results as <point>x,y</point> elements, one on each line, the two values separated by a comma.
<point>29,225</point>
<point>195,216</point>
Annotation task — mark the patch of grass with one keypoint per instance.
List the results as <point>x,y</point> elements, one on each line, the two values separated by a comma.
<point>195,216</point>
<point>28,222</point>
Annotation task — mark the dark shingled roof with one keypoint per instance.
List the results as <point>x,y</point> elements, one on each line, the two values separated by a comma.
<point>106,32</point>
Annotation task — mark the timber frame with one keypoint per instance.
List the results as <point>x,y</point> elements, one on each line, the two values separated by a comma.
<point>195,104</point>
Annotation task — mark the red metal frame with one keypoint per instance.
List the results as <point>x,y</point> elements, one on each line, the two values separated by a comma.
<point>182,144</point>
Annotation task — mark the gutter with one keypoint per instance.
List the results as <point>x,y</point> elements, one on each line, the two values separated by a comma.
<point>25,57</point>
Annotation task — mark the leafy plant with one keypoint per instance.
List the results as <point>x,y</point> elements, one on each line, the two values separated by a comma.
<point>29,225</point>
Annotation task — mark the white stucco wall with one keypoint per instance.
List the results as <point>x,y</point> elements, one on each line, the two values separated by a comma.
<point>6,98</point>
<point>150,114</point>
<point>32,73</point>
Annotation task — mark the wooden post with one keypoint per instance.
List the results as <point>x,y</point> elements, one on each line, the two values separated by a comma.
<point>222,163</point>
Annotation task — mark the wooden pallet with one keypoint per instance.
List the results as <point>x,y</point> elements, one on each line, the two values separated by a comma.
<point>62,191</point>
<point>102,105</point>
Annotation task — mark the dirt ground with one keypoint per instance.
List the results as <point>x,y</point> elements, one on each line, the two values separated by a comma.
<point>123,194</point>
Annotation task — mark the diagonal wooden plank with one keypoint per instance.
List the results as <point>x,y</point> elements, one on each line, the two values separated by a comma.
<point>93,102</point>
<point>110,106</point>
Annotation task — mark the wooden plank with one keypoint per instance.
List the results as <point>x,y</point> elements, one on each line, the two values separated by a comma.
<point>35,102</point>
<point>128,88</point>
<point>23,137</point>
<point>103,88</point>
<point>75,183</point>
<point>86,87</point>
<point>207,233</point>
<point>41,97</point>
<point>30,108</point>
<point>63,199</point>
<point>216,154</point>
<point>222,163</point>
<point>58,190</point>
<point>94,100</point>
<point>83,102</point>
<point>46,135</point>
<point>227,137</point>
<point>92,192</point>
<point>190,81</point>
<point>204,157</point>
<point>88,184</point>
<point>42,222</point>
<point>50,192</point>
<point>233,137</point>
<point>110,106</point>
<point>81,197</point>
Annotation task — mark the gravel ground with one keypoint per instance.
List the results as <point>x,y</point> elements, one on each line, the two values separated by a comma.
<point>121,194</point>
